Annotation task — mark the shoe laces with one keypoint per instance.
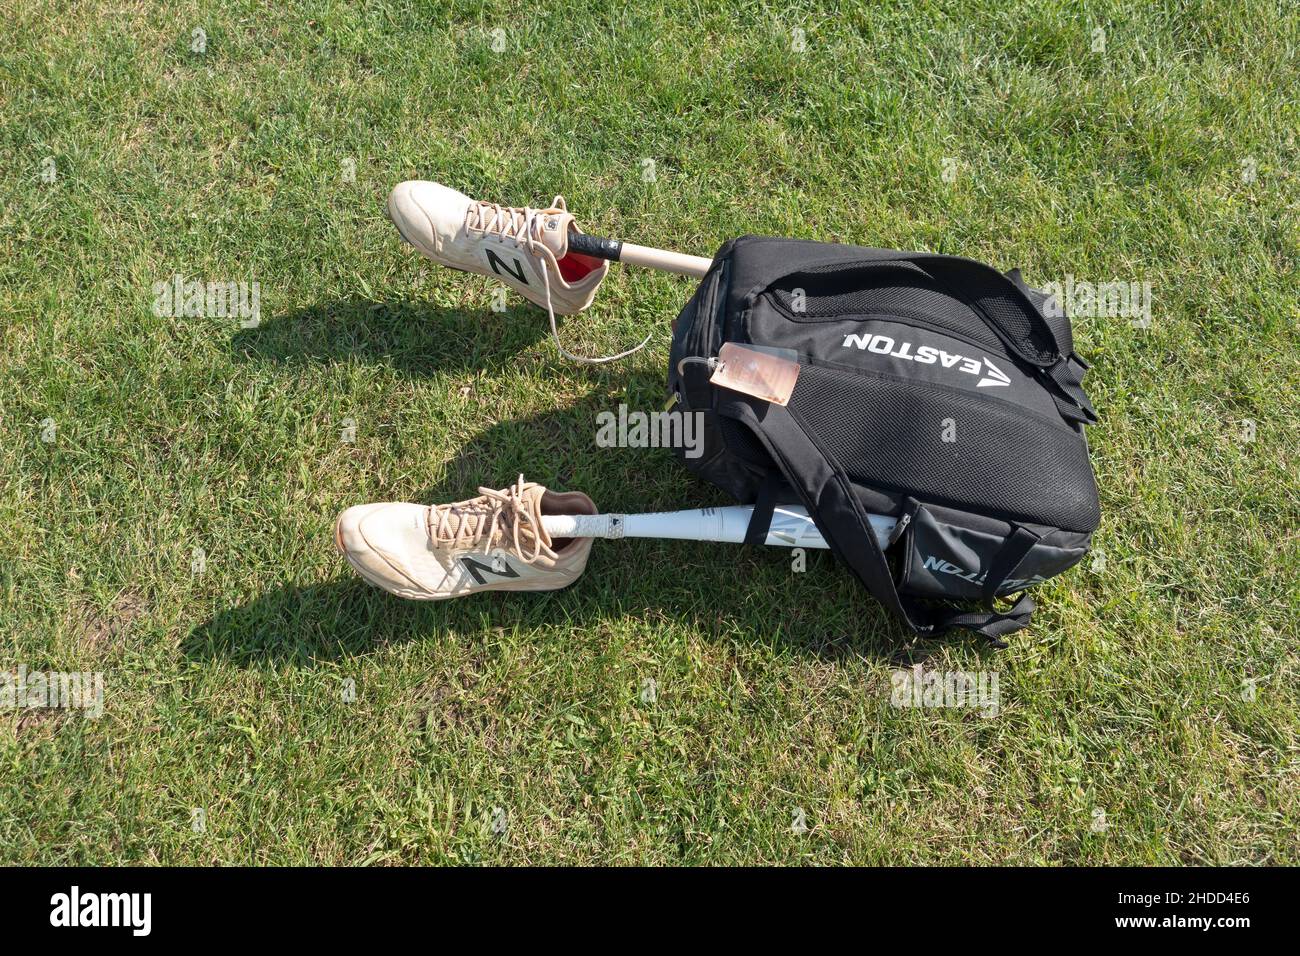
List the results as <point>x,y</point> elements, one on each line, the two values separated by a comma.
<point>524,226</point>
<point>475,522</point>
<point>521,224</point>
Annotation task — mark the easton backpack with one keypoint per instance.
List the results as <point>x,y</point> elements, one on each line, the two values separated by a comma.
<point>930,388</point>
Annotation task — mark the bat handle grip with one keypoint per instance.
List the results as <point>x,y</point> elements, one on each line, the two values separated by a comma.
<point>584,526</point>
<point>633,255</point>
<point>588,245</point>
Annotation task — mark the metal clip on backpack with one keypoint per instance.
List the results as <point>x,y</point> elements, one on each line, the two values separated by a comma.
<point>931,388</point>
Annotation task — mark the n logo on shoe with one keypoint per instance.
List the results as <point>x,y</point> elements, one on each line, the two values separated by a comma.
<point>515,266</point>
<point>498,567</point>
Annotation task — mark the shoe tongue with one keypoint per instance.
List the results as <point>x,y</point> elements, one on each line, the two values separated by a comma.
<point>555,231</point>
<point>532,504</point>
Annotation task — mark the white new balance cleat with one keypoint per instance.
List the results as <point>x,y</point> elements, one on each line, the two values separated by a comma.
<point>495,542</point>
<point>526,248</point>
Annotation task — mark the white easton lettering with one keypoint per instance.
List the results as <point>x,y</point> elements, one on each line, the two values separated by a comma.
<point>977,577</point>
<point>991,375</point>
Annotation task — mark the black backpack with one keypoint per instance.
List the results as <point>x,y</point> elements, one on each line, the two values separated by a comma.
<point>931,388</point>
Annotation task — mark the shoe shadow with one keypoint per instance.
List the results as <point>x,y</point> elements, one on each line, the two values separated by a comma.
<point>416,338</point>
<point>627,583</point>
<point>304,625</point>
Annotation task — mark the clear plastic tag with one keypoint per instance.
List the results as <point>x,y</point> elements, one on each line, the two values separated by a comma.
<point>763,374</point>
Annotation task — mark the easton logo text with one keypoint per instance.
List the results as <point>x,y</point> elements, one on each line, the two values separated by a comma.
<point>991,375</point>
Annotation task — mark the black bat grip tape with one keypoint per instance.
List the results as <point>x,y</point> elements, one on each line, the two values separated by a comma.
<point>588,245</point>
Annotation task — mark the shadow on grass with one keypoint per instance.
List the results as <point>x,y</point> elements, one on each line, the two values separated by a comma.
<point>416,338</point>
<point>343,618</point>
<point>724,591</point>
<point>303,624</point>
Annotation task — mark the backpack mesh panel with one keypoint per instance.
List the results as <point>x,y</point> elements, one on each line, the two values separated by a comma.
<point>890,433</point>
<point>741,441</point>
<point>836,291</point>
<point>1054,314</point>
<point>1050,308</point>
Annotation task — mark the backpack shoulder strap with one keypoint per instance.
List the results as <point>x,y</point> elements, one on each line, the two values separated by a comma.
<point>827,493</point>
<point>1011,311</point>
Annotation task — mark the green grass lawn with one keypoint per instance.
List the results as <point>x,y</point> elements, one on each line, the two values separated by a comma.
<point>1150,714</point>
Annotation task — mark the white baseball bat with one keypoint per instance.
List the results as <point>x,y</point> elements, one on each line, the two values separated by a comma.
<point>791,527</point>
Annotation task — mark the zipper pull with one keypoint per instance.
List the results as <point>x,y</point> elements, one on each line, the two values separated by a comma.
<point>899,527</point>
